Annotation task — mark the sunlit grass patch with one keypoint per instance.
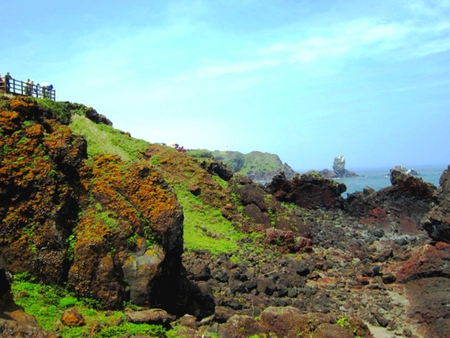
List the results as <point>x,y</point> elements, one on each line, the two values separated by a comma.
<point>104,139</point>
<point>204,226</point>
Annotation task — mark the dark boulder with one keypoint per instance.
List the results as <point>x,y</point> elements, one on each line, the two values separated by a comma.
<point>217,168</point>
<point>309,190</point>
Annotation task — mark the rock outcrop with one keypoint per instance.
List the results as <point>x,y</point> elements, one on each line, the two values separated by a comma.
<point>309,190</point>
<point>437,222</point>
<point>113,230</point>
<point>396,209</point>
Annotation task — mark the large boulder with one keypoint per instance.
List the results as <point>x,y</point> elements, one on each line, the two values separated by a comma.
<point>130,236</point>
<point>310,190</point>
<point>437,222</point>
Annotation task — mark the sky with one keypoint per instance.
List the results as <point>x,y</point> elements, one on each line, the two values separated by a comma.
<point>307,80</point>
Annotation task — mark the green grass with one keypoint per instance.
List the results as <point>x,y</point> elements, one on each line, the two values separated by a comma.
<point>47,303</point>
<point>104,139</point>
<point>197,215</point>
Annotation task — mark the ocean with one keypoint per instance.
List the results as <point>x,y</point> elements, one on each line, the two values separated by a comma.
<point>379,178</point>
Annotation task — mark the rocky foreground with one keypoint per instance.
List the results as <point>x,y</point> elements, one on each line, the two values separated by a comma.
<point>311,263</point>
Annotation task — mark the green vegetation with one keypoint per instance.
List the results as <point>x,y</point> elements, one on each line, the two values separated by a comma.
<point>104,139</point>
<point>57,109</point>
<point>48,303</point>
<point>204,226</point>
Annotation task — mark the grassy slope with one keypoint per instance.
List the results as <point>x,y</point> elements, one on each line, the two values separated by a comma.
<point>180,171</point>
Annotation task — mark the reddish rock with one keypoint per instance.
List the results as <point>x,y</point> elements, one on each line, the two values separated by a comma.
<point>72,317</point>
<point>286,241</point>
<point>426,261</point>
<point>430,305</point>
<point>398,208</point>
<point>195,190</point>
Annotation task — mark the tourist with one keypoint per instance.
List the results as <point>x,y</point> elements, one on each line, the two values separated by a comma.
<point>31,88</point>
<point>36,89</point>
<point>27,87</point>
<point>45,86</point>
<point>8,81</point>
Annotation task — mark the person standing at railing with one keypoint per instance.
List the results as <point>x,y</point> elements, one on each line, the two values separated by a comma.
<point>8,81</point>
<point>36,89</point>
<point>27,87</point>
<point>45,86</point>
<point>31,89</point>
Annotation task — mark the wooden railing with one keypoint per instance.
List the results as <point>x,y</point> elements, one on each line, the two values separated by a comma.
<point>13,86</point>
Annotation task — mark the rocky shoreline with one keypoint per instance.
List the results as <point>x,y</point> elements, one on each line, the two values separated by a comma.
<point>308,262</point>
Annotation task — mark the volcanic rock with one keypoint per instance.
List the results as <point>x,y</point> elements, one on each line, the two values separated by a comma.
<point>309,190</point>
<point>396,209</point>
<point>151,316</point>
<point>437,222</point>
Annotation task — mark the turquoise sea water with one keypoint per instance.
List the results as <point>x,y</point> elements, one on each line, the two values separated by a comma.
<point>379,178</point>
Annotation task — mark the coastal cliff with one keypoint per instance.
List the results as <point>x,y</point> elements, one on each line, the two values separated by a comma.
<point>256,165</point>
<point>151,236</point>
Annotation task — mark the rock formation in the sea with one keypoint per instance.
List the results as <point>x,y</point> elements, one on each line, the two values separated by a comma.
<point>408,171</point>
<point>339,170</point>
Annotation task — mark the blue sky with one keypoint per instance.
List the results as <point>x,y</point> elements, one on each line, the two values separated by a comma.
<point>307,80</point>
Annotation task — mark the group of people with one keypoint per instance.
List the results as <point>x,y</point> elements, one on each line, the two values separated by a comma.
<point>28,87</point>
<point>178,147</point>
<point>32,89</point>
